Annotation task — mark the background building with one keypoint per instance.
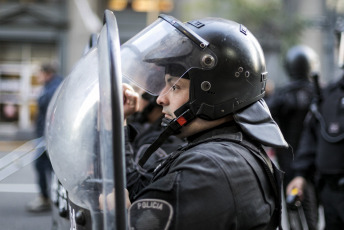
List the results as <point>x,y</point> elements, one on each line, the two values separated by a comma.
<point>31,32</point>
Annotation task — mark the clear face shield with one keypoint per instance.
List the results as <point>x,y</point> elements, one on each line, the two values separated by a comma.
<point>165,47</point>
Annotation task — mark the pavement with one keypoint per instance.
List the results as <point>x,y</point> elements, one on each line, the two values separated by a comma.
<point>18,189</point>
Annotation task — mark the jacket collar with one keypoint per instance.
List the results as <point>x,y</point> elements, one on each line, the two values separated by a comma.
<point>229,130</point>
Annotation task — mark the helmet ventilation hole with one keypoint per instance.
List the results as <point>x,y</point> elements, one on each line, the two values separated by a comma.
<point>205,86</point>
<point>208,61</point>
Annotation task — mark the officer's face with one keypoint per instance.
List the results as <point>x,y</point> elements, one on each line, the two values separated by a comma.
<point>174,95</point>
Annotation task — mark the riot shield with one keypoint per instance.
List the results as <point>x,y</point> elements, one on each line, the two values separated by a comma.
<point>72,141</point>
<point>111,122</point>
<point>20,157</point>
<point>80,138</point>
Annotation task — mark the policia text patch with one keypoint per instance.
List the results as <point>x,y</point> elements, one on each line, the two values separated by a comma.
<point>150,214</point>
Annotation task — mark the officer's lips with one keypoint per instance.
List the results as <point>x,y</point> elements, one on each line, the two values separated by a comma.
<point>168,116</point>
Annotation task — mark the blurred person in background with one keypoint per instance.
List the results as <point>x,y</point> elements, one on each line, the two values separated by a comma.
<point>50,81</point>
<point>321,148</point>
<point>289,105</point>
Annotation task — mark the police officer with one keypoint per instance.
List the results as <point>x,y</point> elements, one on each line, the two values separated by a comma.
<point>210,77</point>
<point>321,149</point>
<point>289,106</point>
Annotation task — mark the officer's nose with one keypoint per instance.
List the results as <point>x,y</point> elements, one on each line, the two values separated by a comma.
<point>162,98</point>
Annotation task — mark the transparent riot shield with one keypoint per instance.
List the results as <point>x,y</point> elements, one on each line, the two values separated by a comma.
<point>72,139</point>
<point>85,139</point>
<point>111,123</point>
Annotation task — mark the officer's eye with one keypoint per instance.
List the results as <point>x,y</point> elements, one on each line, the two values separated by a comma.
<point>174,87</point>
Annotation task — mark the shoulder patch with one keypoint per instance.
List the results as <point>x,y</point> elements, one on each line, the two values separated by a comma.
<point>152,214</point>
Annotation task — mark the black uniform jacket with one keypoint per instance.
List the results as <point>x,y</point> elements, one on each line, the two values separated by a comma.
<point>220,180</point>
<point>322,143</point>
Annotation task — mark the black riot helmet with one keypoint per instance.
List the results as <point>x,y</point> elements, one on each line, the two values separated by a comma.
<point>237,79</point>
<point>224,63</point>
<point>301,61</point>
<point>222,59</point>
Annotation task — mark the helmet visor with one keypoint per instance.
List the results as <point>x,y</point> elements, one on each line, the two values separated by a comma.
<point>158,50</point>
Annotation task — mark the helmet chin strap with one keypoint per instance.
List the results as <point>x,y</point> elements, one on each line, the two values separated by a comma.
<point>165,122</point>
<point>173,126</point>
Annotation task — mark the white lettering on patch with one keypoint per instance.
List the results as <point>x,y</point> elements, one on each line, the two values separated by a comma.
<point>149,204</point>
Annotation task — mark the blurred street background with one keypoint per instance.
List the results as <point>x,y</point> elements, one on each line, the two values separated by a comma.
<point>36,31</point>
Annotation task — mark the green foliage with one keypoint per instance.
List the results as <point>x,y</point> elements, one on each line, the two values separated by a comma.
<point>269,22</point>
